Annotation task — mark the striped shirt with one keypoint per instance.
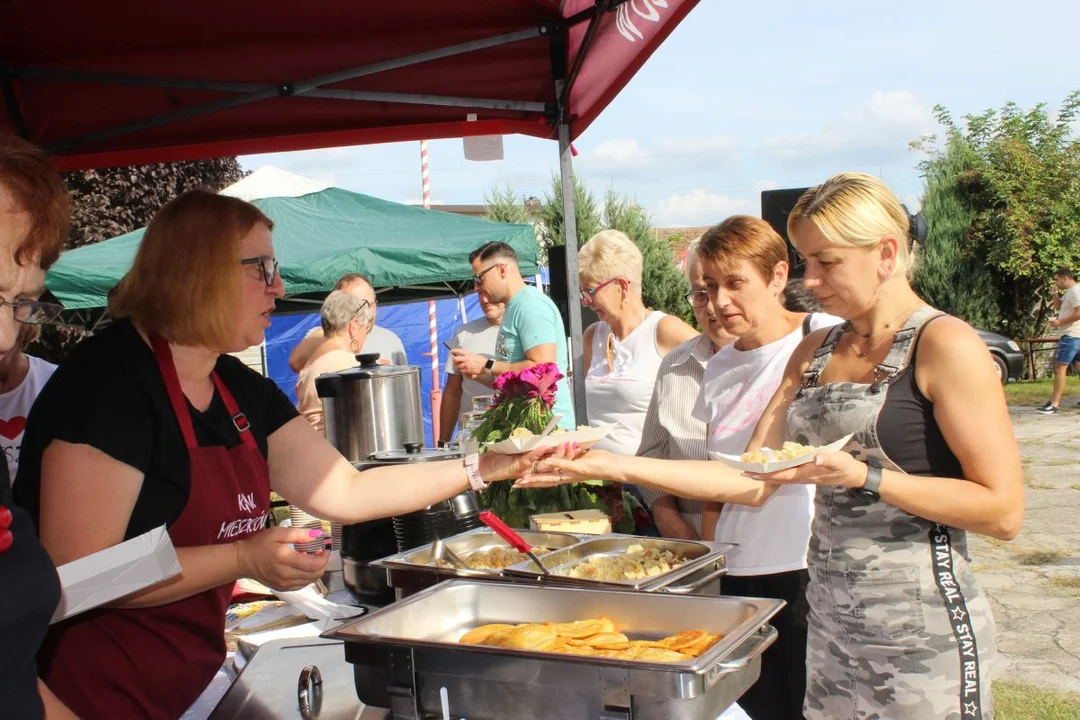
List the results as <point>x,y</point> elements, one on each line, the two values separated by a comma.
<point>670,431</point>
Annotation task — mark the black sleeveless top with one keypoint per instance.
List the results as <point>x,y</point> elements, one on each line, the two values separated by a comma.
<point>907,429</point>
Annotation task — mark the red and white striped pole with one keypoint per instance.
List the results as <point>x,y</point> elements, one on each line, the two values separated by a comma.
<point>433,324</point>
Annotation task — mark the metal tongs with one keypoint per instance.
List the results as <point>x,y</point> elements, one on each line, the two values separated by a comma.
<point>440,551</point>
<point>516,541</point>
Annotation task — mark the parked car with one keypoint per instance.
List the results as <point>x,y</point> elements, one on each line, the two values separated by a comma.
<point>1007,355</point>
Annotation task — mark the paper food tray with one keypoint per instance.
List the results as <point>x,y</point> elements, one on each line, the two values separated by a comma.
<point>735,462</point>
<point>114,572</point>
<point>516,446</point>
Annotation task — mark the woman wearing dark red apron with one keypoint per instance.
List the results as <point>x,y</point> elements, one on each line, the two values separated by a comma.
<point>150,422</point>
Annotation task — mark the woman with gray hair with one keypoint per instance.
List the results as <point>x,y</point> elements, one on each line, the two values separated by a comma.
<point>346,320</point>
<point>624,349</point>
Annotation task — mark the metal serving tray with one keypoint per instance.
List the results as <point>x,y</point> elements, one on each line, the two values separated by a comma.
<point>700,555</point>
<point>404,654</point>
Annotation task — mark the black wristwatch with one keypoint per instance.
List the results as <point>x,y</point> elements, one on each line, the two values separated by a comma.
<point>489,365</point>
<point>872,489</point>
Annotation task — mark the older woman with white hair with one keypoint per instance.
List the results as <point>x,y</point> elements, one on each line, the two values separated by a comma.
<point>346,320</point>
<point>624,349</point>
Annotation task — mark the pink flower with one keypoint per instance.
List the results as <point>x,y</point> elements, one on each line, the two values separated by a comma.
<point>538,381</point>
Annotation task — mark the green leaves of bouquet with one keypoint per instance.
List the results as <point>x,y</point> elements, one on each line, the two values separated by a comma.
<point>525,399</point>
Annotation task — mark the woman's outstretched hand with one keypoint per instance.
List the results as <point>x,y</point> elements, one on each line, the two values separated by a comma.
<point>568,464</point>
<point>838,469</point>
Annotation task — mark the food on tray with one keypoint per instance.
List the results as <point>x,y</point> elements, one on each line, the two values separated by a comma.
<point>634,564</point>
<point>496,558</point>
<point>597,637</point>
<point>789,451</point>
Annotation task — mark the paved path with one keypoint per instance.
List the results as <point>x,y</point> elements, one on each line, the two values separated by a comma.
<point>1033,582</point>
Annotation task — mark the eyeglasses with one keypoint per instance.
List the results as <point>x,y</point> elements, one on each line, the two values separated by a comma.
<point>697,298</point>
<point>479,277</point>
<point>32,312</point>
<point>268,265</point>
<point>587,296</point>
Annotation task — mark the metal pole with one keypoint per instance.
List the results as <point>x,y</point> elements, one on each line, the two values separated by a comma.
<point>573,288</point>
<point>433,323</point>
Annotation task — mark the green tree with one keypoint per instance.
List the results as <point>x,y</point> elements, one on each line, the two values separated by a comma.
<point>505,206</point>
<point>663,286</point>
<point>1023,186</point>
<point>551,231</point>
<point>950,273</point>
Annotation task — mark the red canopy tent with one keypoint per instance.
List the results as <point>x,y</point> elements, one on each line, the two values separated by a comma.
<point>120,82</point>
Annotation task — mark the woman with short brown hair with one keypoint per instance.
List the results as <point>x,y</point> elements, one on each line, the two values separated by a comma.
<point>150,422</point>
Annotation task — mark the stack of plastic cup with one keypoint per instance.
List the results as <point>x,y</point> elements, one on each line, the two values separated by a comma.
<point>301,520</point>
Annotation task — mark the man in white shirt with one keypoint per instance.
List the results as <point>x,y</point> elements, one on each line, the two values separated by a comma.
<point>476,336</point>
<point>1068,348</point>
<point>379,340</point>
<point>21,378</point>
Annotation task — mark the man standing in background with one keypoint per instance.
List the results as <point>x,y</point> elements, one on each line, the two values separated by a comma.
<point>531,332</point>
<point>1068,348</point>
<point>379,340</point>
<point>477,336</point>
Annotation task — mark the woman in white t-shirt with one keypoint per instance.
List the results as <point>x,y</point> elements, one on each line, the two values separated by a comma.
<point>745,266</point>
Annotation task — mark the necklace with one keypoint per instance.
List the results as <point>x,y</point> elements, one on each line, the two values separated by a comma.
<point>611,340</point>
<point>867,336</point>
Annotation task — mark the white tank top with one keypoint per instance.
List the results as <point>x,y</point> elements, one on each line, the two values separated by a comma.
<point>619,393</point>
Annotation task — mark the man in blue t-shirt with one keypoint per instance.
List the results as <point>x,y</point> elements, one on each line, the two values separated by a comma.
<point>531,332</point>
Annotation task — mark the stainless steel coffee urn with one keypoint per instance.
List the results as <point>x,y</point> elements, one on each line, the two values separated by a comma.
<point>371,408</point>
<point>374,418</point>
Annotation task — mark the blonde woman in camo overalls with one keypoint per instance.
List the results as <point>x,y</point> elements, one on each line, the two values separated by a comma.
<point>898,628</point>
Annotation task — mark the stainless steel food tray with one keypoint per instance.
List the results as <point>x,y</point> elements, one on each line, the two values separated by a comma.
<point>403,654</point>
<point>701,557</point>
<point>405,569</point>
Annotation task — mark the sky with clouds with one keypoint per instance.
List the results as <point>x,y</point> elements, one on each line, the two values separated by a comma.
<point>750,96</point>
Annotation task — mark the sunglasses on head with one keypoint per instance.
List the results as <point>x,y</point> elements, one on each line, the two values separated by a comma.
<point>268,265</point>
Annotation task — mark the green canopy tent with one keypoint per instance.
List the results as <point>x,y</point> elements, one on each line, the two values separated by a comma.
<point>408,253</point>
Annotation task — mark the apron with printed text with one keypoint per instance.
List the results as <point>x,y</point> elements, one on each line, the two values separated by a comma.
<point>155,662</point>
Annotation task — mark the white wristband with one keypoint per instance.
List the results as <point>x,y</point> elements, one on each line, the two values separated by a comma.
<point>472,471</point>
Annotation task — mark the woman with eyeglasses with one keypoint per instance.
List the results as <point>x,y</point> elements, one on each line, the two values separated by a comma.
<point>34,218</point>
<point>151,422</point>
<point>624,348</point>
<point>897,625</point>
<point>345,319</point>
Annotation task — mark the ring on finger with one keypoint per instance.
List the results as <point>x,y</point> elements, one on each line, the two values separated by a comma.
<point>534,470</point>
<point>560,474</point>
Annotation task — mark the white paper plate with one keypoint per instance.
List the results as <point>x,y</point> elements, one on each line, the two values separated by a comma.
<point>517,446</point>
<point>735,462</point>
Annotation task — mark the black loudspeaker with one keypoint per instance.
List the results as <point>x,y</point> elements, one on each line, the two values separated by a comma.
<point>557,289</point>
<point>776,205</point>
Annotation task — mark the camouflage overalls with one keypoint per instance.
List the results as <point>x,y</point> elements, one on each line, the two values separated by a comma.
<point>897,628</point>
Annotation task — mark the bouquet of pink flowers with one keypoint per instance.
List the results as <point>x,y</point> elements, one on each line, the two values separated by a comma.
<point>524,399</point>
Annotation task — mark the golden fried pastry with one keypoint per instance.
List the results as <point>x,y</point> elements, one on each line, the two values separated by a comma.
<point>684,639</point>
<point>650,654</point>
<point>699,648</point>
<point>479,636</point>
<point>532,637</point>
<point>585,628</point>
<point>596,637</point>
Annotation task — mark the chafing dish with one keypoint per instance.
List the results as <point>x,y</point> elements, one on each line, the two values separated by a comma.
<point>412,570</point>
<point>706,561</point>
<point>404,654</point>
